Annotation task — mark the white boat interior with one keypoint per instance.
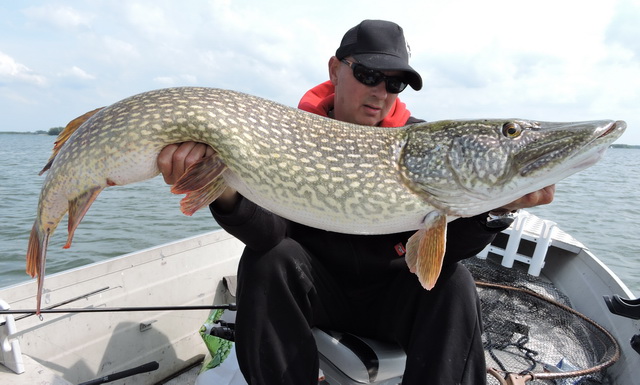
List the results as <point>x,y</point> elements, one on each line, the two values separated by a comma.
<point>75,348</point>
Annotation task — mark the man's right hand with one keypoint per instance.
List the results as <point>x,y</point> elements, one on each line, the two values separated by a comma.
<point>175,159</point>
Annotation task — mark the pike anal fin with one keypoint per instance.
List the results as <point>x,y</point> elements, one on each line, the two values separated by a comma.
<point>202,182</point>
<point>426,248</point>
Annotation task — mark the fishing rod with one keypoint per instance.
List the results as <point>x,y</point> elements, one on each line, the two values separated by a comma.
<point>68,301</point>
<point>148,367</point>
<point>231,306</point>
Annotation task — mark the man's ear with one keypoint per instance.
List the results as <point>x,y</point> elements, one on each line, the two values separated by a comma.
<point>334,67</point>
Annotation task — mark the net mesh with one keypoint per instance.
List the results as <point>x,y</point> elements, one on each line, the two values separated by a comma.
<point>529,327</point>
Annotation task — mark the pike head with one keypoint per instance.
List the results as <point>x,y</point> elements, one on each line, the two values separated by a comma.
<point>465,168</point>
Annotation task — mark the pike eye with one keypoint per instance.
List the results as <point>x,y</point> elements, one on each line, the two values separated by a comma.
<point>511,130</point>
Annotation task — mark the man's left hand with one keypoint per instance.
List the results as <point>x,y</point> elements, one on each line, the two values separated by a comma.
<point>541,197</point>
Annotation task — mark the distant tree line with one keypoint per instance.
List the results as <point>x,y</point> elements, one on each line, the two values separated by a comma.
<point>55,131</point>
<point>625,146</point>
<point>52,131</point>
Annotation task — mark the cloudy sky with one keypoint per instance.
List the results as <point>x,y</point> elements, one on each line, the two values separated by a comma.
<point>551,60</point>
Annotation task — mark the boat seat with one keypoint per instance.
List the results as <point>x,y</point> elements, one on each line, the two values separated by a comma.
<point>347,359</point>
<point>528,227</point>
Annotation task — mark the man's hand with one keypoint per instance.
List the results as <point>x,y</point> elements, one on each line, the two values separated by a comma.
<point>175,159</point>
<point>541,197</point>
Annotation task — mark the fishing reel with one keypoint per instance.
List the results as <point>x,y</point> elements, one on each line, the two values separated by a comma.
<point>226,330</point>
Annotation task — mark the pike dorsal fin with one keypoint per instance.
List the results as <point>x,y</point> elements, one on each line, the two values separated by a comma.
<point>64,135</point>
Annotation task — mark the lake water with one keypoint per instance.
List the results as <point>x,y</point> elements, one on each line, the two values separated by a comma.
<point>599,206</point>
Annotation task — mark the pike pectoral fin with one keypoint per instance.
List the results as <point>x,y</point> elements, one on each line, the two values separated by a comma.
<point>78,207</point>
<point>202,182</point>
<point>425,250</point>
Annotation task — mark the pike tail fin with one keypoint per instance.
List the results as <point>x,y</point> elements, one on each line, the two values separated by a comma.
<point>36,258</point>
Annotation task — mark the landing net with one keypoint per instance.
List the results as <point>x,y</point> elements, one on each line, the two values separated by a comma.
<point>529,327</point>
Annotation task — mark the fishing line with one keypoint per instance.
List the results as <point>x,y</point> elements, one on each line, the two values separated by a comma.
<point>231,306</point>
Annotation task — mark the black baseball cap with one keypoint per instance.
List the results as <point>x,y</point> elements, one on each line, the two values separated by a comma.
<point>379,45</point>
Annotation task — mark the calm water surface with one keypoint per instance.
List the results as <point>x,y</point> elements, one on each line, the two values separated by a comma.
<point>599,206</point>
<point>123,219</point>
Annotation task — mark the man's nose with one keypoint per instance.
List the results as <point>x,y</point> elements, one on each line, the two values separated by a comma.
<point>380,90</point>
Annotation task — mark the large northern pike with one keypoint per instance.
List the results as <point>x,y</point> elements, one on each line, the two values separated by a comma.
<point>313,170</point>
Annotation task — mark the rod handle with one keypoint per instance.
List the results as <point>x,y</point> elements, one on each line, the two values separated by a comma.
<point>148,367</point>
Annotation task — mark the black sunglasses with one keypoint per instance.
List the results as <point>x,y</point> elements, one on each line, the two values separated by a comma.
<point>371,78</point>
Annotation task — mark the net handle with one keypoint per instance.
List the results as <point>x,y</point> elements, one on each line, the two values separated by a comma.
<point>511,378</point>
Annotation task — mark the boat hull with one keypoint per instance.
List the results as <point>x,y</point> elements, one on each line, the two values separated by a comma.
<point>81,347</point>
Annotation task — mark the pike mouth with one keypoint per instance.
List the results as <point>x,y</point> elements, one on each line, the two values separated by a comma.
<point>613,127</point>
<point>585,155</point>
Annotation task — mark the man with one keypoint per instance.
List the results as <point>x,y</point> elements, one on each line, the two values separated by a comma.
<point>293,277</point>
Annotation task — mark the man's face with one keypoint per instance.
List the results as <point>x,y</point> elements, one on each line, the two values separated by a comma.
<point>356,102</point>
